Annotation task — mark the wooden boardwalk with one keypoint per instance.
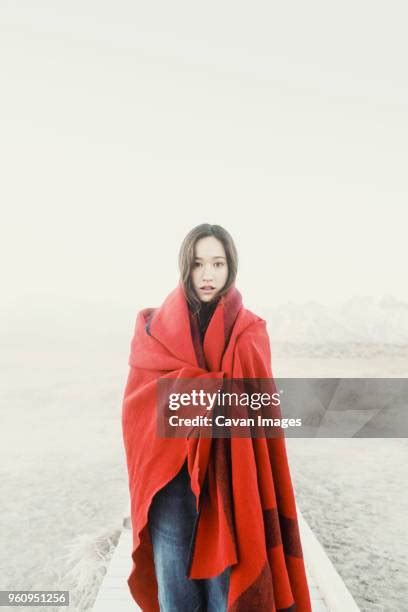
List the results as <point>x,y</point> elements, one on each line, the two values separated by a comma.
<point>327,589</point>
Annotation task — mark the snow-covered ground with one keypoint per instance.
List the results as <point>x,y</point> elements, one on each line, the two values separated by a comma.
<point>352,492</point>
<point>63,481</point>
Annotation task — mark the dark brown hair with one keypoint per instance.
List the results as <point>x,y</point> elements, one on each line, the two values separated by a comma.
<point>186,259</point>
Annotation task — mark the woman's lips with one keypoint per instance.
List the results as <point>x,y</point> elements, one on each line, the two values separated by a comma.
<point>207,289</point>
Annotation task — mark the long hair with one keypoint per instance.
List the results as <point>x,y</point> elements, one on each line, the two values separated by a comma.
<point>186,260</point>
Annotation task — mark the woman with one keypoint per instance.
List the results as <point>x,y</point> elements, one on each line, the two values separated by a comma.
<point>214,519</point>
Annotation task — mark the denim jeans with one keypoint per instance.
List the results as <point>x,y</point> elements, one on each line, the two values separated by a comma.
<point>172,518</point>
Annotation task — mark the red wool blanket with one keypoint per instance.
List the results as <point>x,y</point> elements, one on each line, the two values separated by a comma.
<point>246,512</point>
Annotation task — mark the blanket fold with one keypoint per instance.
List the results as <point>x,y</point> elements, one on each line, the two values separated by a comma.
<point>244,495</point>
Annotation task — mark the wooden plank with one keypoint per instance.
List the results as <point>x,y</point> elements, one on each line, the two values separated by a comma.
<point>334,593</point>
<point>327,590</point>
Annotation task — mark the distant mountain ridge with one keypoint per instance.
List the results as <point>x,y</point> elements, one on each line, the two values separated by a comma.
<point>358,320</point>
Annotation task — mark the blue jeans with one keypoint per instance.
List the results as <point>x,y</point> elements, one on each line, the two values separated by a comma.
<point>172,519</point>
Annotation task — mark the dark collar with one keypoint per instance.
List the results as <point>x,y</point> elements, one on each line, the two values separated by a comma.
<point>205,313</point>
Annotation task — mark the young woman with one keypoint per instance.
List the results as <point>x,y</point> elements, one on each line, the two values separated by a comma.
<point>214,519</point>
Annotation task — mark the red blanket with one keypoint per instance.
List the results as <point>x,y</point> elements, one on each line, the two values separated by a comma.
<point>247,518</point>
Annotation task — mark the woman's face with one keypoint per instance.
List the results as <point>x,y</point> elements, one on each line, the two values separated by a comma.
<point>210,268</point>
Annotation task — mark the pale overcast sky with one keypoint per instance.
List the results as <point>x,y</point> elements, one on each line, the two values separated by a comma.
<point>126,123</point>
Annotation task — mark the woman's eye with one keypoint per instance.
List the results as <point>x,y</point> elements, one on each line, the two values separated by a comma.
<point>217,264</point>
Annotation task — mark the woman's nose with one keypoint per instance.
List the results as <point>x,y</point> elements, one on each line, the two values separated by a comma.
<point>207,274</point>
